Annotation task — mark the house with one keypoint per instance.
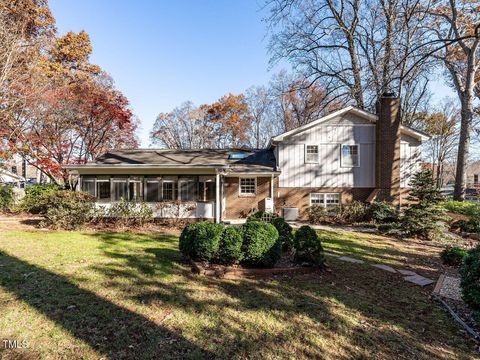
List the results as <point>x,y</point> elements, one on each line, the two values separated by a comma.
<point>348,155</point>
<point>10,178</point>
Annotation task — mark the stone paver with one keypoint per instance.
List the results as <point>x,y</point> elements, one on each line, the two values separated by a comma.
<point>352,260</point>
<point>332,254</point>
<point>418,280</point>
<point>407,272</point>
<point>385,267</point>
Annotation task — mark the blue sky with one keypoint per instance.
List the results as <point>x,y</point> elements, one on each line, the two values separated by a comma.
<point>161,53</point>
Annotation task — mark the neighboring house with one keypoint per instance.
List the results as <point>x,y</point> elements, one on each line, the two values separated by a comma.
<point>29,173</point>
<point>348,155</point>
<point>473,174</point>
<point>7,177</point>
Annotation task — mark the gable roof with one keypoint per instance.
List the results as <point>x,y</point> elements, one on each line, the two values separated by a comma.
<point>253,160</point>
<point>419,135</point>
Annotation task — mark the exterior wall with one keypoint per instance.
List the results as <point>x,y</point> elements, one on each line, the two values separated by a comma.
<point>409,159</point>
<point>237,206</point>
<point>329,136</point>
<point>299,197</point>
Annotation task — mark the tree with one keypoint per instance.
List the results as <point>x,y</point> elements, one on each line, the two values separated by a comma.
<point>260,107</point>
<point>184,127</point>
<point>456,24</point>
<point>442,126</point>
<point>296,102</point>
<point>230,121</point>
<point>357,49</point>
<point>423,217</point>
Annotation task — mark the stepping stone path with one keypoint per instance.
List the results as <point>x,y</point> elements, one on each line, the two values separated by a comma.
<point>385,267</point>
<point>408,275</point>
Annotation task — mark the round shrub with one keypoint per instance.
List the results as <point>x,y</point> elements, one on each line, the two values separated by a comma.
<point>206,241</point>
<point>285,234</point>
<point>260,244</point>
<point>453,256</point>
<point>355,212</point>
<point>187,239</point>
<point>471,225</point>
<point>230,249</point>
<point>67,209</point>
<point>35,200</point>
<point>470,279</point>
<point>308,246</point>
<point>382,212</point>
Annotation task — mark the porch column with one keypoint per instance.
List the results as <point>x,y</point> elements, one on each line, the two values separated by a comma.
<point>217,198</point>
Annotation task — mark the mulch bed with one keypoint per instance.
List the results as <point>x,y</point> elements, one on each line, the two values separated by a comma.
<point>285,266</point>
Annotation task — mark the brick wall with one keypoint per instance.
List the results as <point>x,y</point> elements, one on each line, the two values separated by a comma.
<point>239,206</point>
<point>300,197</point>
<point>387,150</point>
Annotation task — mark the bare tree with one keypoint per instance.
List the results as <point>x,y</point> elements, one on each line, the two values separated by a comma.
<point>456,23</point>
<point>442,125</point>
<point>182,128</point>
<point>260,105</point>
<point>358,49</point>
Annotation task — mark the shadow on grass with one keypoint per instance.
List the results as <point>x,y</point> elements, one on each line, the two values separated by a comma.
<point>236,313</point>
<point>112,330</point>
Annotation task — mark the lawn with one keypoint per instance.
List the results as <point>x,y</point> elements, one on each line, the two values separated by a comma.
<point>122,295</point>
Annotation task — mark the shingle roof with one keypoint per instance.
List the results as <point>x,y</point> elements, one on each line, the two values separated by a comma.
<point>254,160</point>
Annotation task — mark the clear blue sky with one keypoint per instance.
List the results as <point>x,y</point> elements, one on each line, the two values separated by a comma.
<point>163,52</point>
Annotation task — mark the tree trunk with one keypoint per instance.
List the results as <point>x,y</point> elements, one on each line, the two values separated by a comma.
<point>463,147</point>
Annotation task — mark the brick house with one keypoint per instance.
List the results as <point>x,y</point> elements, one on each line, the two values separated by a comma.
<point>347,155</point>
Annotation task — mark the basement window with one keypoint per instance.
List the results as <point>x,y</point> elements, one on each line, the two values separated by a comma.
<point>350,156</point>
<point>325,199</point>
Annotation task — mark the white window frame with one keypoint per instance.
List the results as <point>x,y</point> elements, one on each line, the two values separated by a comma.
<point>306,152</point>
<point>242,194</point>
<point>358,156</point>
<point>324,197</point>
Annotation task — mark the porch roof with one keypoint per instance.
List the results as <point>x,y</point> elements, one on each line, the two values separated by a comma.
<point>250,162</point>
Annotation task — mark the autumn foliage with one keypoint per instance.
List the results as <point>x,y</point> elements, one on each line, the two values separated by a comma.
<point>57,107</point>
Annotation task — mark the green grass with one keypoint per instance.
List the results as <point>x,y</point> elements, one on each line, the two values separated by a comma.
<point>120,295</point>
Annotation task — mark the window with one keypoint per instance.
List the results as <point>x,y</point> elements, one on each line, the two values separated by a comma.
<point>152,186</point>
<point>206,191</point>
<point>135,189</point>
<point>119,189</point>
<point>248,186</point>
<point>88,185</point>
<point>325,199</point>
<point>311,154</point>
<point>187,189</point>
<point>350,156</point>
<point>168,190</point>
<point>103,189</point>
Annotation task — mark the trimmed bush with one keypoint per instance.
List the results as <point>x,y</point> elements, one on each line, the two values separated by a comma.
<point>308,246</point>
<point>285,234</point>
<point>187,239</point>
<point>317,214</point>
<point>355,212</point>
<point>453,255</point>
<point>471,225</point>
<point>382,212</point>
<point>66,209</point>
<point>6,198</point>
<point>260,244</point>
<point>470,279</point>
<point>35,199</point>
<point>230,249</point>
<point>129,213</point>
<point>388,227</point>
<point>206,241</point>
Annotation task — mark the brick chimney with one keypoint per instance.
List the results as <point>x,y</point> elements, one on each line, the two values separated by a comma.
<point>387,149</point>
